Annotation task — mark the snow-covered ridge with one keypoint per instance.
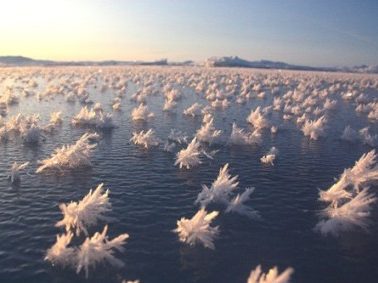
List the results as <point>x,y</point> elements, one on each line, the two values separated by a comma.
<point>235,61</point>
<point>225,61</point>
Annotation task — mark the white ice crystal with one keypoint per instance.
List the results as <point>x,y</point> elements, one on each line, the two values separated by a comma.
<point>55,118</point>
<point>257,276</point>
<point>237,205</point>
<point>116,106</point>
<point>367,137</point>
<point>337,191</point>
<point>146,139</point>
<point>98,249</point>
<point>240,137</point>
<point>190,156</point>
<point>350,202</point>
<point>208,133</point>
<point>364,172</point>
<point>92,118</point>
<point>15,171</point>
<point>169,104</point>
<point>270,156</point>
<point>87,212</point>
<point>60,253</point>
<point>141,113</point>
<point>348,215</point>
<point>197,229</point>
<point>178,136</point>
<point>70,156</point>
<point>85,117</point>
<point>314,129</point>
<point>220,189</point>
<point>257,119</point>
<point>193,110</point>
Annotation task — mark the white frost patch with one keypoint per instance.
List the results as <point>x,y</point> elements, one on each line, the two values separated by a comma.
<point>146,139</point>
<point>60,254</point>
<point>197,229</point>
<point>14,175</point>
<point>270,156</point>
<point>257,276</point>
<point>141,113</point>
<point>236,205</point>
<point>70,156</point>
<point>87,212</point>
<point>314,129</point>
<point>220,189</point>
<point>98,249</point>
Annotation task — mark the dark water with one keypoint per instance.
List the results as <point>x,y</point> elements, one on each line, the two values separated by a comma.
<point>149,194</point>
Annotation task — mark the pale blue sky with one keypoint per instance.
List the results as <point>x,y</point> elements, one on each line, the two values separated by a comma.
<point>318,33</point>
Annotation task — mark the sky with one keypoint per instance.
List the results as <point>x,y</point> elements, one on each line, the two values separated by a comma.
<point>305,32</point>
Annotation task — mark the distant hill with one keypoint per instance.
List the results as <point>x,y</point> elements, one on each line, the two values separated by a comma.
<point>22,61</point>
<point>235,61</point>
<point>231,61</point>
<point>25,61</point>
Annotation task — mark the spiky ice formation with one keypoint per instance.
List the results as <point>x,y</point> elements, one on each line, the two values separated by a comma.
<point>14,175</point>
<point>193,110</point>
<point>239,136</point>
<point>345,217</point>
<point>257,276</point>
<point>141,113</point>
<point>99,250</point>
<point>208,133</point>
<point>314,128</point>
<point>55,118</point>
<point>197,229</point>
<point>220,189</point>
<point>364,172</point>
<point>367,138</point>
<point>116,106</point>
<point>60,253</point>
<point>257,119</point>
<point>337,191</point>
<point>169,104</point>
<point>190,156</point>
<point>71,156</point>
<point>85,117</point>
<point>87,212</point>
<point>350,203</point>
<point>146,139</point>
<point>236,205</point>
<point>270,156</point>
<point>93,118</point>
<point>178,136</point>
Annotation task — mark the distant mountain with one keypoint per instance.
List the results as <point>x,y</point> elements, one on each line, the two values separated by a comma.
<point>231,61</point>
<point>25,61</point>
<point>235,61</point>
<point>22,61</point>
<point>373,69</point>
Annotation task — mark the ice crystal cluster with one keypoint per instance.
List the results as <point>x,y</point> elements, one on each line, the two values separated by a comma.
<point>70,156</point>
<point>94,250</point>
<point>349,199</point>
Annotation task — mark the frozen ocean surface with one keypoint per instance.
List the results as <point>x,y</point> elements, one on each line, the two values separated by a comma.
<point>149,194</point>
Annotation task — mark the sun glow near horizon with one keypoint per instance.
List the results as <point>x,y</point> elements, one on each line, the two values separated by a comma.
<point>318,33</point>
<point>61,30</point>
